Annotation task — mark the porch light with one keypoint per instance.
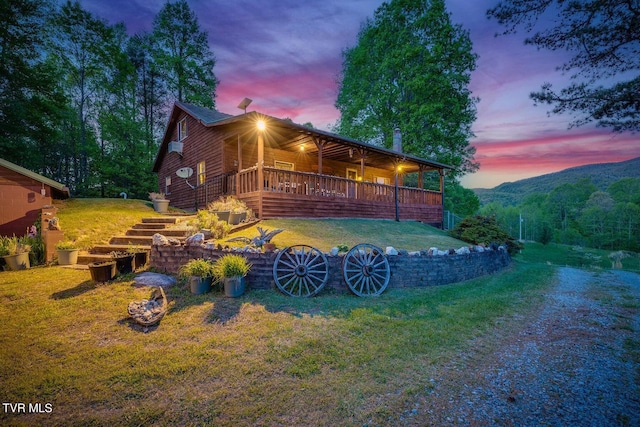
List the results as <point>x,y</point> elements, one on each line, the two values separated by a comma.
<point>301,147</point>
<point>261,125</point>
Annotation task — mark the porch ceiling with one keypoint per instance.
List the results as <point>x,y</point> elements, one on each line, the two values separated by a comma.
<point>346,151</point>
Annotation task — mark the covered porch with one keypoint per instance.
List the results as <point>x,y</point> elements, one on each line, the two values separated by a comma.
<point>281,170</point>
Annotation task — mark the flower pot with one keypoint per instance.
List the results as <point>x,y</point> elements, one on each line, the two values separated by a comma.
<point>234,286</point>
<point>237,218</point>
<point>200,285</point>
<point>18,261</point>
<point>223,215</point>
<point>68,256</point>
<point>102,271</point>
<point>161,206</point>
<point>140,259</point>
<point>124,264</point>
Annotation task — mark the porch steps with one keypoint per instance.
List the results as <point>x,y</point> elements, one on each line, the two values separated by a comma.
<point>140,236</point>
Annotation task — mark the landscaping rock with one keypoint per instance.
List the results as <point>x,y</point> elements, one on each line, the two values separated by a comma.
<point>334,251</point>
<point>160,240</point>
<point>391,250</point>
<point>463,251</point>
<point>154,279</point>
<point>195,240</point>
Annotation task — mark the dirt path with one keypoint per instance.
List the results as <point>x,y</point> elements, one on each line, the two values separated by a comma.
<point>575,362</point>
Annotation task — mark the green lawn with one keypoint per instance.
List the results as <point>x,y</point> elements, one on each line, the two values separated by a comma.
<point>262,359</point>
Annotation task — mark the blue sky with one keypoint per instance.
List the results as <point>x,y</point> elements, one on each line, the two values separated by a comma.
<point>286,56</point>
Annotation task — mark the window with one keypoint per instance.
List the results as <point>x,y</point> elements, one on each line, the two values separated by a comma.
<point>182,129</point>
<point>352,174</point>
<point>167,185</point>
<point>382,180</point>
<point>202,173</point>
<point>283,165</point>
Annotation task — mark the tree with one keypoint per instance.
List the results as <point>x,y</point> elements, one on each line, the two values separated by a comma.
<point>604,38</point>
<point>410,70</point>
<point>460,200</point>
<point>79,46</point>
<point>182,55</point>
<point>31,102</point>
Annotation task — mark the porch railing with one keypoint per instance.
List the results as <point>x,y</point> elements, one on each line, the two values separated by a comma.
<point>316,185</point>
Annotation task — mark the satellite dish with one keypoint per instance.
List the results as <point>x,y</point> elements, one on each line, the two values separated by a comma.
<point>184,172</point>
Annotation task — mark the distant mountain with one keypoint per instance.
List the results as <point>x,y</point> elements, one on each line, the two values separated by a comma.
<point>602,175</point>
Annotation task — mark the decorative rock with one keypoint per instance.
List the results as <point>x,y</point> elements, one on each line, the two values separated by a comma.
<point>463,251</point>
<point>432,251</point>
<point>334,251</point>
<point>403,252</point>
<point>478,248</point>
<point>154,279</point>
<point>160,240</point>
<point>195,240</point>
<point>390,250</point>
<point>414,253</point>
<point>173,241</point>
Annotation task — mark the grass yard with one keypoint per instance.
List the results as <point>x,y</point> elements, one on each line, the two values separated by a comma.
<point>262,359</point>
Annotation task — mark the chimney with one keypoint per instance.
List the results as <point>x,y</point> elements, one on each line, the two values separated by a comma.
<point>397,140</point>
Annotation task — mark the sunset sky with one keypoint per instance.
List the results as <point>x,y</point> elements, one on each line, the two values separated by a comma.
<point>286,56</point>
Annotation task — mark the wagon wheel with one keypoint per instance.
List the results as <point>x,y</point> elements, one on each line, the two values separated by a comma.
<point>366,270</point>
<point>300,271</point>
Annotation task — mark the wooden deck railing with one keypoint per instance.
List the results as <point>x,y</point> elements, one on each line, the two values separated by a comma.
<point>316,185</point>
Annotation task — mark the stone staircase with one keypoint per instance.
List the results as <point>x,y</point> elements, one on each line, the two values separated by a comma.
<point>139,236</point>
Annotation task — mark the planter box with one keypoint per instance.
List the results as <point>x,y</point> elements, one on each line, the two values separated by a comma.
<point>234,286</point>
<point>18,261</point>
<point>124,264</point>
<point>161,206</point>
<point>140,259</point>
<point>67,256</point>
<point>200,285</point>
<point>102,271</point>
<point>237,218</point>
<point>223,215</point>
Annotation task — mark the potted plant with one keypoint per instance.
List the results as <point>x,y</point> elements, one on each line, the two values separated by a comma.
<point>140,256</point>
<point>200,274</point>
<point>67,252</point>
<point>124,261</point>
<point>15,252</point>
<point>102,271</point>
<point>230,270</point>
<point>160,202</point>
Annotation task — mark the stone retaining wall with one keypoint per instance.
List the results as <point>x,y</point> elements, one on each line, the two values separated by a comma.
<point>406,270</point>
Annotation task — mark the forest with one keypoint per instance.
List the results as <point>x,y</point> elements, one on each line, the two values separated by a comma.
<point>576,214</point>
<point>84,103</point>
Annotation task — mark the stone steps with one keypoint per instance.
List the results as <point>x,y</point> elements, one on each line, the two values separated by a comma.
<point>139,236</point>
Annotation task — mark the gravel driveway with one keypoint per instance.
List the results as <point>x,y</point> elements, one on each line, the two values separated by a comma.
<point>574,362</point>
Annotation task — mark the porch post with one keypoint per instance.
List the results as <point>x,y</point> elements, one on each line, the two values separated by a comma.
<point>239,154</point>
<point>320,146</point>
<point>441,172</point>
<point>421,177</point>
<point>260,171</point>
<point>362,157</point>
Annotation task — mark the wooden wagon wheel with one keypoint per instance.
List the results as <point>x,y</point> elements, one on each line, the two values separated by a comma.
<point>300,271</point>
<point>366,270</point>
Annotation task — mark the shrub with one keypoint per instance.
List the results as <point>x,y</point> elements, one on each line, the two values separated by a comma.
<point>231,265</point>
<point>197,267</point>
<point>206,220</point>
<point>484,230</point>
<point>228,203</point>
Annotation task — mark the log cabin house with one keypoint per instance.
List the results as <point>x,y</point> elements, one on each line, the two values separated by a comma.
<point>281,169</point>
